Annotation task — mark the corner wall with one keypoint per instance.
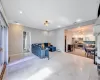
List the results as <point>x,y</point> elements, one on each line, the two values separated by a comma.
<point>56,38</point>
<point>15,40</point>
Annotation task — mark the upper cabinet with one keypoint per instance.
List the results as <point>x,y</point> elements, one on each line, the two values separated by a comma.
<point>89,38</point>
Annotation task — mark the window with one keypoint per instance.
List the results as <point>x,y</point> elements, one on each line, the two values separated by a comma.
<point>3,41</point>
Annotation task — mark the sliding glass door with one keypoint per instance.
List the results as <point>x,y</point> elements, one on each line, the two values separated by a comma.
<point>3,41</point>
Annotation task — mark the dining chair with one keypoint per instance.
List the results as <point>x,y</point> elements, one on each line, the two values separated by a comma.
<point>86,52</point>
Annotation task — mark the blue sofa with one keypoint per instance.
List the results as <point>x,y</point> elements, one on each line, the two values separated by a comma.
<point>38,51</point>
<point>51,47</point>
<point>42,53</point>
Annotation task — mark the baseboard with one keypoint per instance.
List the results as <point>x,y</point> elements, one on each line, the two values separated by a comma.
<point>18,54</point>
<point>21,60</point>
<point>3,72</point>
<point>14,54</point>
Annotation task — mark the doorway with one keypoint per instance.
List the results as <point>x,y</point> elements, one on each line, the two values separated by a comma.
<point>26,42</point>
<point>81,41</point>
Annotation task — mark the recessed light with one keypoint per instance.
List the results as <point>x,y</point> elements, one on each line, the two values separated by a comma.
<point>59,26</point>
<point>20,12</point>
<point>78,20</point>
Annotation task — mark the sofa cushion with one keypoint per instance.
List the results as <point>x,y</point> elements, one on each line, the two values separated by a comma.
<point>42,46</point>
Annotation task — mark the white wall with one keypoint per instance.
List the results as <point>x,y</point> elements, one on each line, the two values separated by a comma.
<point>52,37</point>
<point>37,36</point>
<point>56,38</point>
<point>69,37</point>
<point>16,37</point>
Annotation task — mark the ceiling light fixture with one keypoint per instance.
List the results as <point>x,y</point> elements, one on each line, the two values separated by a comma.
<point>59,26</point>
<point>78,20</point>
<point>46,23</point>
<point>20,12</point>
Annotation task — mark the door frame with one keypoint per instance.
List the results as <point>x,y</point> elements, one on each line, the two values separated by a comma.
<point>30,39</point>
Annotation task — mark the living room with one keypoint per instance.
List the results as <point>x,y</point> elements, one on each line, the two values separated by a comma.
<point>37,37</point>
<point>32,40</point>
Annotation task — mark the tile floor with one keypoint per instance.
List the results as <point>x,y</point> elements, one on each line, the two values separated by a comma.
<point>14,58</point>
<point>60,67</point>
<point>81,52</point>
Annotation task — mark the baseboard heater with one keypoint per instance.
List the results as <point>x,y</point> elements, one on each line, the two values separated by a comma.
<point>3,71</point>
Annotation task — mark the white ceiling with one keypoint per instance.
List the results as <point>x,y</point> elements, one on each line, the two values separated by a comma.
<point>57,12</point>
